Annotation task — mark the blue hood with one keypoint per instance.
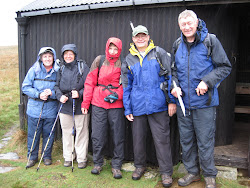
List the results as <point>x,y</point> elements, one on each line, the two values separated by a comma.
<point>37,64</point>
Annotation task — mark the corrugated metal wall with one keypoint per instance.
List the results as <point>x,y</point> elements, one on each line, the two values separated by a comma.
<point>90,30</point>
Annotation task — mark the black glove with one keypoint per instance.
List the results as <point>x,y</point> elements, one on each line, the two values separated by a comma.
<point>111,98</point>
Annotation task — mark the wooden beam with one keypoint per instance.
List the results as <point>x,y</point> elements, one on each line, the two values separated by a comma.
<point>242,109</point>
<point>231,161</point>
<point>242,89</point>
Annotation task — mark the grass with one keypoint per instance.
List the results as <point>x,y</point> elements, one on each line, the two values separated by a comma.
<point>9,87</point>
<point>55,175</point>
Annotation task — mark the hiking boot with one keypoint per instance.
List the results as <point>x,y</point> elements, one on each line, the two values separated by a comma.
<point>47,161</point>
<point>166,180</point>
<point>210,182</point>
<point>189,178</point>
<point>137,174</point>
<point>117,174</point>
<point>82,165</point>
<point>96,170</point>
<point>67,163</point>
<point>31,163</point>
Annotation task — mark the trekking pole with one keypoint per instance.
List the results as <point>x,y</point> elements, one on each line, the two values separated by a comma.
<point>35,135</point>
<point>49,136</point>
<point>73,133</point>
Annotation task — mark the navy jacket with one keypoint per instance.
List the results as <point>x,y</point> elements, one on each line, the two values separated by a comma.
<point>191,65</point>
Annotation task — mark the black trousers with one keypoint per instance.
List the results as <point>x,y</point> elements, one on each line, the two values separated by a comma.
<point>101,120</point>
<point>159,125</point>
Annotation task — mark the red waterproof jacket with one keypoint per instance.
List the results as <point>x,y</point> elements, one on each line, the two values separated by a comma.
<point>109,73</point>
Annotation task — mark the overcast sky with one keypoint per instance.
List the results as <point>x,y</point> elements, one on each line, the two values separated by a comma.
<point>8,31</point>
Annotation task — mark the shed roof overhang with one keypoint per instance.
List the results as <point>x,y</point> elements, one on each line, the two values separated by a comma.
<point>92,5</point>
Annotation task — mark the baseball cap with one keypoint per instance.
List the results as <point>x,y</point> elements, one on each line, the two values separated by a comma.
<point>139,29</point>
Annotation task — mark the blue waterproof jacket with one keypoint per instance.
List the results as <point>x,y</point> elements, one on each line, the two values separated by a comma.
<point>193,64</point>
<point>36,81</point>
<point>141,82</point>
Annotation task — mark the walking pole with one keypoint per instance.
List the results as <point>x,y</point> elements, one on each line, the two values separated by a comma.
<point>73,133</point>
<point>35,135</point>
<point>49,136</point>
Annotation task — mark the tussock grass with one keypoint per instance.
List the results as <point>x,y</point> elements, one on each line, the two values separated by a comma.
<point>9,87</point>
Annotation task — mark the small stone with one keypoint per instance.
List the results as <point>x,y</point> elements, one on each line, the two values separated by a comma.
<point>227,172</point>
<point>128,167</point>
<point>9,156</point>
<point>6,139</point>
<point>150,175</point>
<point>5,169</point>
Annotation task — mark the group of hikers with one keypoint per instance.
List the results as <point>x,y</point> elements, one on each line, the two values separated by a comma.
<point>147,87</point>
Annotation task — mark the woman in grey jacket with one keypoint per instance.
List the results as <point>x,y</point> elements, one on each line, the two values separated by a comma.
<point>69,87</point>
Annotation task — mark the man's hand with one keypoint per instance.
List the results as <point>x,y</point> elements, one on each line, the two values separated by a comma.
<point>130,117</point>
<point>171,109</point>
<point>84,110</point>
<point>175,90</point>
<point>201,88</point>
<point>63,99</point>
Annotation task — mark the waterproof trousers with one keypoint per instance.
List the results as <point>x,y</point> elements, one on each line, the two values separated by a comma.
<point>197,137</point>
<point>159,125</point>
<point>104,120</point>
<point>81,139</point>
<point>44,128</point>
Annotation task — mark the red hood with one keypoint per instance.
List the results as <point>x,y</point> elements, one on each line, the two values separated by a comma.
<point>118,43</point>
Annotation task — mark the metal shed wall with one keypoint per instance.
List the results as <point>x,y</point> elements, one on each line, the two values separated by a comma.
<point>89,30</point>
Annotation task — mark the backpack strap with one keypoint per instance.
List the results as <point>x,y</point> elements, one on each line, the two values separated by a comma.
<point>81,63</point>
<point>176,45</point>
<point>163,71</point>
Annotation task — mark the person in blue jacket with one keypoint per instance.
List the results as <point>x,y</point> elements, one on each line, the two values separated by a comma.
<point>38,85</point>
<point>145,102</point>
<point>199,65</point>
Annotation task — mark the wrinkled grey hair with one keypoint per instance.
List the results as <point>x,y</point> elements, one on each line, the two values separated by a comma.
<point>187,13</point>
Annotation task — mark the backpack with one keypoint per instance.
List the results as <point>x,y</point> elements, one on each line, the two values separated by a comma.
<point>207,43</point>
<point>80,63</point>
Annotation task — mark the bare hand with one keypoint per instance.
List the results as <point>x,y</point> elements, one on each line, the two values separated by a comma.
<point>175,90</point>
<point>43,96</point>
<point>48,92</point>
<point>171,109</point>
<point>84,110</point>
<point>63,99</point>
<point>130,117</point>
<point>201,88</point>
<point>75,94</point>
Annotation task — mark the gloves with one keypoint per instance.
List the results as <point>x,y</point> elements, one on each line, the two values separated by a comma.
<point>111,98</point>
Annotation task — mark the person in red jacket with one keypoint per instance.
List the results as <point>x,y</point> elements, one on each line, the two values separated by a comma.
<point>104,91</point>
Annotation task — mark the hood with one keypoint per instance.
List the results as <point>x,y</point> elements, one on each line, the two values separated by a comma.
<point>118,43</point>
<point>45,49</point>
<point>37,64</point>
<point>71,47</point>
<point>201,32</point>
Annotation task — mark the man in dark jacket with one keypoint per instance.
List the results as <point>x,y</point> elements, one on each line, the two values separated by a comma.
<point>69,87</point>
<point>145,103</point>
<point>198,68</point>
